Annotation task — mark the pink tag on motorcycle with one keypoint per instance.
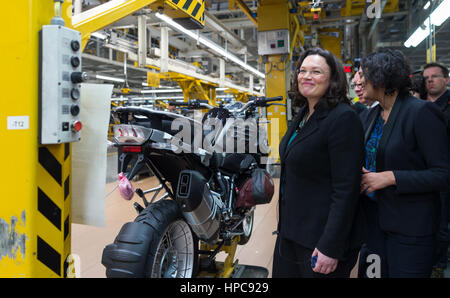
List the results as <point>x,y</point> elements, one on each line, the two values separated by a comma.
<point>125,188</point>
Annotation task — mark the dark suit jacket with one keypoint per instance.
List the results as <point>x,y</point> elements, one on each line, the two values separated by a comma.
<point>416,150</point>
<point>320,181</point>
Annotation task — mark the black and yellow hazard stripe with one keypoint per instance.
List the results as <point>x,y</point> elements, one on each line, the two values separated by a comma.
<point>54,208</point>
<point>194,8</point>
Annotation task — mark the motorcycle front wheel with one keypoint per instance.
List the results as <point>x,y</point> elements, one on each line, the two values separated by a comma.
<point>247,228</point>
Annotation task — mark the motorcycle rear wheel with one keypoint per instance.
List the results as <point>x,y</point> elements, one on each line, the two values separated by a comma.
<point>173,250</point>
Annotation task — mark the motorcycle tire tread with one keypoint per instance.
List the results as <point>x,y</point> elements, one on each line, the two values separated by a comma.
<point>134,249</point>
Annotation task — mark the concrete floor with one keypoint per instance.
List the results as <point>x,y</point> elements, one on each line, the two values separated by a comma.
<point>88,241</point>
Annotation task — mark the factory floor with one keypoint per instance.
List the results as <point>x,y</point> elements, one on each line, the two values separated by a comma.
<point>88,241</point>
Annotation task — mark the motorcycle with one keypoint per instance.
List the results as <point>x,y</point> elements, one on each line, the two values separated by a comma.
<point>210,193</point>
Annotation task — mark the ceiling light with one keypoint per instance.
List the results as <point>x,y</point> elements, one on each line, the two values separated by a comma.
<point>210,44</point>
<point>162,91</point>
<point>425,7</point>
<point>437,17</point>
<point>105,78</point>
<point>441,13</point>
<point>418,36</point>
<point>99,35</point>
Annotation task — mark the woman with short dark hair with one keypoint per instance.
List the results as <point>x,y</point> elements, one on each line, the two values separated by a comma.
<point>406,165</point>
<point>319,229</point>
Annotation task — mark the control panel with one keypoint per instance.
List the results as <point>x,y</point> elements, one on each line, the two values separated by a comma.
<point>60,78</point>
<point>273,42</point>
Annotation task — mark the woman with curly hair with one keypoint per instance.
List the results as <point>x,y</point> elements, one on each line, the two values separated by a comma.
<point>406,166</point>
<point>321,158</point>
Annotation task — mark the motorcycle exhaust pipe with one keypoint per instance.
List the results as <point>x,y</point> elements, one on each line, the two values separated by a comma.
<point>200,206</point>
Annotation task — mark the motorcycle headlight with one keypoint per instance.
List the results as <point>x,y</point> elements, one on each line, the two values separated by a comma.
<point>125,134</point>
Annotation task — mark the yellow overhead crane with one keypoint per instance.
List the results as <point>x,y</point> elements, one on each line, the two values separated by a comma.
<point>112,11</point>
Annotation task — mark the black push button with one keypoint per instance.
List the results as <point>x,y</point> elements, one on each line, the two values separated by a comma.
<point>75,94</point>
<point>75,61</point>
<point>74,110</point>
<point>79,77</point>
<point>75,45</point>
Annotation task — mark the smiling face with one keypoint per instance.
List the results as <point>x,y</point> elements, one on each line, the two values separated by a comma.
<point>368,91</point>
<point>313,78</point>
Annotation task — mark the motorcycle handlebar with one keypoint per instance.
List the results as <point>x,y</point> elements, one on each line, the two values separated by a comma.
<point>178,104</point>
<point>191,105</point>
<point>259,102</point>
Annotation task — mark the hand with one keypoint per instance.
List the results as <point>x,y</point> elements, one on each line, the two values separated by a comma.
<point>324,264</point>
<point>371,181</point>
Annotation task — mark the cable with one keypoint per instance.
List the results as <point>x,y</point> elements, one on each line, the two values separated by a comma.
<point>112,191</point>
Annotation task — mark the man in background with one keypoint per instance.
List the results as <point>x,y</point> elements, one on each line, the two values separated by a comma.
<point>436,81</point>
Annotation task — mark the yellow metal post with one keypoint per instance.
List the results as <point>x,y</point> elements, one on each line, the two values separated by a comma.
<point>277,80</point>
<point>274,15</point>
<point>35,193</point>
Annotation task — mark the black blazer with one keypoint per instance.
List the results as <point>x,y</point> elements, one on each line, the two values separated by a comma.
<point>320,181</point>
<point>414,146</point>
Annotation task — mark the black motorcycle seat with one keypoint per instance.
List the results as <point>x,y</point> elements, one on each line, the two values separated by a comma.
<point>237,162</point>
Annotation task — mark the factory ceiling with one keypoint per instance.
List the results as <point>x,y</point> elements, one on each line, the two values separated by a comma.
<point>235,32</point>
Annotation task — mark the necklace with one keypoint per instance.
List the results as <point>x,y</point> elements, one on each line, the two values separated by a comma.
<point>303,121</point>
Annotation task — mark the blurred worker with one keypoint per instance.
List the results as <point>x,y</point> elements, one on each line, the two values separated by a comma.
<point>321,162</point>
<point>359,90</point>
<point>356,86</point>
<point>418,86</point>
<point>407,164</point>
<point>436,81</point>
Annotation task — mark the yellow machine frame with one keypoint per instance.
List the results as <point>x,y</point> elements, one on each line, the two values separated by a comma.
<point>36,195</point>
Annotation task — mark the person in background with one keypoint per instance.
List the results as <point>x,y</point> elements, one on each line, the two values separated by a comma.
<point>359,90</point>
<point>358,104</point>
<point>418,85</point>
<point>406,166</point>
<point>436,80</point>
<point>319,208</point>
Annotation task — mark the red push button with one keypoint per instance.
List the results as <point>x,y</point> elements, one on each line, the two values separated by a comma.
<point>76,126</point>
